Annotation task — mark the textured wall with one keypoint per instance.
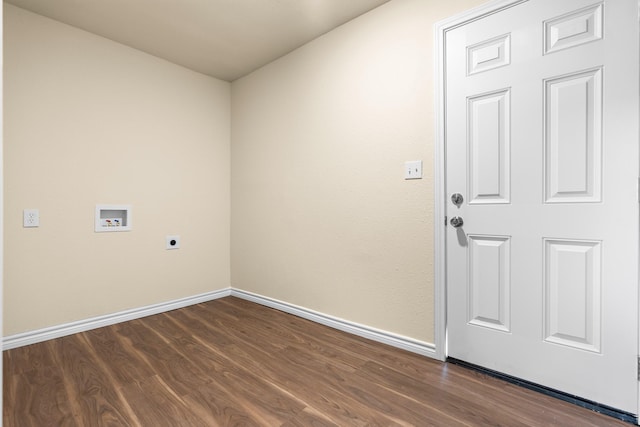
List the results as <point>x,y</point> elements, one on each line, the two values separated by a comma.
<point>321,215</point>
<point>89,121</point>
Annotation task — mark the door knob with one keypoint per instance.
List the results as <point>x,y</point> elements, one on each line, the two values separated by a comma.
<point>456,221</point>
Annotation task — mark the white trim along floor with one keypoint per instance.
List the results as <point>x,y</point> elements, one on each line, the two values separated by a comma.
<point>395,340</point>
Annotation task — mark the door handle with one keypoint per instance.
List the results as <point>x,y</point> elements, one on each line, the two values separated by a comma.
<point>456,221</point>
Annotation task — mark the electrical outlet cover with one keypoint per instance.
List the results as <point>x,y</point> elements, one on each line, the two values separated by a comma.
<point>31,218</point>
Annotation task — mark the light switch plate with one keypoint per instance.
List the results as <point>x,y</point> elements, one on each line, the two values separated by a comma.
<point>413,169</point>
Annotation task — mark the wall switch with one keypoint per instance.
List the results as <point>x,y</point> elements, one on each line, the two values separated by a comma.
<point>413,169</point>
<point>30,218</point>
<point>173,242</point>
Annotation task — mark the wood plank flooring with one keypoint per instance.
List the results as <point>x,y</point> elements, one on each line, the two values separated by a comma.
<point>230,362</point>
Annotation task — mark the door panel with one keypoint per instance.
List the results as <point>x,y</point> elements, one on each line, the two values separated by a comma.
<point>573,137</point>
<point>489,54</point>
<point>572,290</point>
<point>489,282</point>
<point>541,128</point>
<point>573,29</point>
<point>489,147</point>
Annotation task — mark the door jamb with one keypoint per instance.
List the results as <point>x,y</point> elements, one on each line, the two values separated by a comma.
<point>440,262</point>
<point>638,320</point>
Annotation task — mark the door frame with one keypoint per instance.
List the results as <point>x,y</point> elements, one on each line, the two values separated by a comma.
<point>440,262</point>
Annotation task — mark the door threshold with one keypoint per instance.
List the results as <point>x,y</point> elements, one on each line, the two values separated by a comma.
<point>576,400</point>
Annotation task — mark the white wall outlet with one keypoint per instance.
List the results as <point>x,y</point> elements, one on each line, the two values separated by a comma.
<point>413,169</point>
<point>173,242</point>
<point>31,218</point>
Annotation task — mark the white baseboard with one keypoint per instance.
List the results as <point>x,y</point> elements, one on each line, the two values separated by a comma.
<point>405,343</point>
<point>394,340</point>
<point>32,337</point>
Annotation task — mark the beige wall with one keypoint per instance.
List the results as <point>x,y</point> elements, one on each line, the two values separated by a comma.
<point>321,215</point>
<point>89,121</point>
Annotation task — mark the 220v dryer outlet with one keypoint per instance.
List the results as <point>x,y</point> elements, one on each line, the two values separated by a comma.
<point>173,242</point>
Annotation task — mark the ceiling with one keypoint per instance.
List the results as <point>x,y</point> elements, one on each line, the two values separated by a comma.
<point>226,39</point>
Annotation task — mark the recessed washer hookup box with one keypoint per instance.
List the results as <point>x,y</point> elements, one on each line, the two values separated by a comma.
<point>113,218</point>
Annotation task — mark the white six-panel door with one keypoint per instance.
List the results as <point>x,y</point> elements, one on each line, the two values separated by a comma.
<point>541,137</point>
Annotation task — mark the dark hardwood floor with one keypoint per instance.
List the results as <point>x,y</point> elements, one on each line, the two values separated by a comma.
<point>230,362</point>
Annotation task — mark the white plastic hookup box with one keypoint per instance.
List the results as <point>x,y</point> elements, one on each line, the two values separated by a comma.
<point>113,218</point>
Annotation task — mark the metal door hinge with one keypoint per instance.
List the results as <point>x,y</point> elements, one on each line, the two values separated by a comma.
<point>638,368</point>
